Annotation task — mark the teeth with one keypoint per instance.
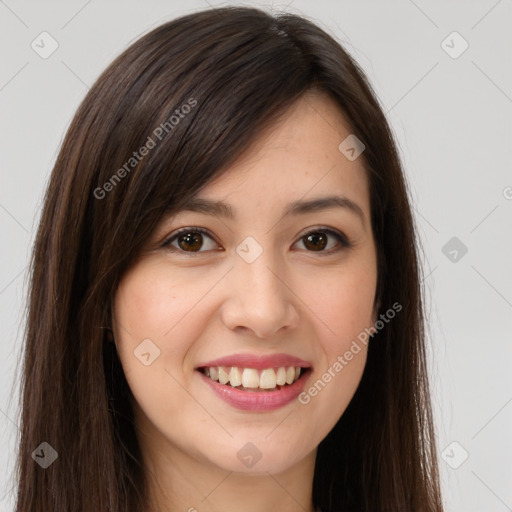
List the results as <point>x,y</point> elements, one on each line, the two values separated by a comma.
<point>223,375</point>
<point>290,374</point>
<point>268,379</point>
<point>281,376</point>
<point>250,378</point>
<point>235,379</point>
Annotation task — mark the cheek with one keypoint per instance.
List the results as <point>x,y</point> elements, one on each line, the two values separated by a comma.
<point>157,313</point>
<point>343,308</point>
<point>336,378</point>
<point>343,304</point>
<point>327,397</point>
<point>156,323</point>
<point>154,302</point>
<point>148,306</point>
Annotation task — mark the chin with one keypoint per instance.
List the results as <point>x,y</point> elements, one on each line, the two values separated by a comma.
<point>255,459</point>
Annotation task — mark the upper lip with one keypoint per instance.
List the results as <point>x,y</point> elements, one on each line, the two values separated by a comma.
<point>258,362</point>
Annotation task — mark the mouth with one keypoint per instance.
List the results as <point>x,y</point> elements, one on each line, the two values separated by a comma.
<point>254,380</point>
<point>255,390</point>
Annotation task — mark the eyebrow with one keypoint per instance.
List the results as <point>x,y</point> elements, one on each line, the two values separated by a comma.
<point>221,209</point>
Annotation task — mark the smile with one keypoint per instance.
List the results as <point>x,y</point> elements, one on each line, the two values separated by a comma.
<point>256,399</point>
<point>251,379</point>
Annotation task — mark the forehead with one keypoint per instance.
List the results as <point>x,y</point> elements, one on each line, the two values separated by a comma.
<point>297,158</point>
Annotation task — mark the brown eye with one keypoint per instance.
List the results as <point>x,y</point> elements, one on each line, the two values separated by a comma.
<point>192,241</point>
<point>316,241</point>
<point>189,240</point>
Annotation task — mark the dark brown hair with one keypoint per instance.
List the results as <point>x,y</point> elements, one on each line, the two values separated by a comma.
<point>239,69</point>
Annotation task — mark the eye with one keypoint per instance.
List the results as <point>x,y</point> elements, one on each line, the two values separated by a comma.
<point>191,240</point>
<point>188,240</point>
<point>318,240</point>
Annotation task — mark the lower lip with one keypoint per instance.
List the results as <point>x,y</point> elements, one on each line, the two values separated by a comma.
<point>257,400</point>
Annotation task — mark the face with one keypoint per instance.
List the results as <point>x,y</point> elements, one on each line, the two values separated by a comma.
<point>250,298</point>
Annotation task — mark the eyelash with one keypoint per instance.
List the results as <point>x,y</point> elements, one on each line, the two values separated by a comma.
<point>343,241</point>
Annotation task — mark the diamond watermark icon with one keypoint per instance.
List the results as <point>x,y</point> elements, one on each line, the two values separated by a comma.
<point>454,455</point>
<point>44,45</point>
<point>146,352</point>
<point>454,45</point>
<point>454,249</point>
<point>249,249</point>
<point>351,147</point>
<point>249,455</point>
<point>44,455</point>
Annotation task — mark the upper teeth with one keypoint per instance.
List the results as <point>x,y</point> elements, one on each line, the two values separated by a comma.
<point>269,378</point>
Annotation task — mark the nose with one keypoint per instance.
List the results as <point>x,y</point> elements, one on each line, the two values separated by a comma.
<point>259,299</point>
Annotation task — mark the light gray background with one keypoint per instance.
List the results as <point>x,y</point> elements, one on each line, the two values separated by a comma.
<point>452,120</point>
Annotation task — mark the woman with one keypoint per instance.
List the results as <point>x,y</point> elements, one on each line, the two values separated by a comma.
<point>225,309</point>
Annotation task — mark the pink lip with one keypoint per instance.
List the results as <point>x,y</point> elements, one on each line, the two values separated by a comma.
<point>257,400</point>
<point>257,362</point>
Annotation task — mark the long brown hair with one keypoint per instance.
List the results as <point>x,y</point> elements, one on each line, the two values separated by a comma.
<point>237,70</point>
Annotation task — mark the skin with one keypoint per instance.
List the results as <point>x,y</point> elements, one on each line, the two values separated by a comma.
<point>196,307</point>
